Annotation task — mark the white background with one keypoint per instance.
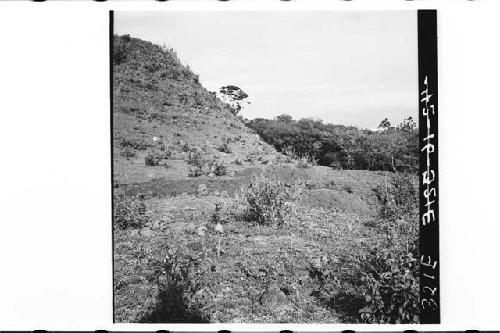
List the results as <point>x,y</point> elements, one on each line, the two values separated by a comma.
<point>55,177</point>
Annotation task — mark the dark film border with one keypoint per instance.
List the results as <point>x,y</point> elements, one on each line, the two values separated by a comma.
<point>111,31</point>
<point>428,133</point>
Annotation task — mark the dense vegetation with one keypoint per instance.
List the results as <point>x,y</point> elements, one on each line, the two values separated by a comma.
<point>344,147</point>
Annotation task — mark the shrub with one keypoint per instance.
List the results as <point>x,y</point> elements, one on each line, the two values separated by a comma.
<point>224,148</point>
<point>137,144</point>
<point>252,157</point>
<point>195,158</point>
<point>156,158</point>
<point>218,167</point>
<point>269,201</point>
<point>182,286</point>
<point>128,153</point>
<point>390,280</point>
<point>289,154</point>
<point>206,167</point>
<point>130,213</point>
<point>306,161</point>
<point>186,147</point>
<point>195,172</point>
<point>221,214</point>
<point>390,272</point>
<point>398,197</point>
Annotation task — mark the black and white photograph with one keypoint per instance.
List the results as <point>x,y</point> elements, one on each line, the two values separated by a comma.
<point>266,167</point>
<point>249,166</point>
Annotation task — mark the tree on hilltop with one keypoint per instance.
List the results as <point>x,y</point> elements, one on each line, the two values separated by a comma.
<point>408,124</point>
<point>385,124</point>
<point>233,96</point>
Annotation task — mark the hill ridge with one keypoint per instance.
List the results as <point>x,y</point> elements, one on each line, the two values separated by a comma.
<point>156,98</point>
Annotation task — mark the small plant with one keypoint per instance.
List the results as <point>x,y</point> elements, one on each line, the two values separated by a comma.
<point>187,148</point>
<point>195,158</point>
<point>202,167</point>
<point>218,167</point>
<point>128,153</point>
<point>224,148</point>
<point>130,213</point>
<point>181,286</point>
<point>157,158</point>
<point>306,161</point>
<point>398,196</point>
<point>269,201</point>
<point>217,214</point>
<point>136,144</point>
<point>195,172</point>
<point>252,157</point>
<point>289,154</point>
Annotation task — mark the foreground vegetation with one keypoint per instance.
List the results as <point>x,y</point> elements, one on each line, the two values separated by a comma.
<point>272,255</point>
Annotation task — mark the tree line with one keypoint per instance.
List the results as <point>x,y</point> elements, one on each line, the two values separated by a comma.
<point>390,148</point>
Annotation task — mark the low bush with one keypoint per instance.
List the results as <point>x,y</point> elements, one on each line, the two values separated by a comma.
<point>224,148</point>
<point>201,167</point>
<point>390,272</point>
<point>398,196</point>
<point>223,213</point>
<point>181,282</point>
<point>218,167</point>
<point>138,144</point>
<point>128,153</point>
<point>382,284</point>
<point>269,201</point>
<point>187,148</point>
<point>130,213</point>
<point>252,157</point>
<point>306,161</point>
<point>195,172</point>
<point>195,158</point>
<point>157,158</point>
<point>390,284</point>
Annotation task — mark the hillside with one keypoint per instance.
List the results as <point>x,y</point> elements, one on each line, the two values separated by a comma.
<point>212,224</point>
<point>158,102</point>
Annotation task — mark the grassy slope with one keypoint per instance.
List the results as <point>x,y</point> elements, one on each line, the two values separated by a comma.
<point>156,96</point>
<point>263,274</point>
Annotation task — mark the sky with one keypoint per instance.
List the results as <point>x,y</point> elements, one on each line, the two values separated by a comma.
<point>351,68</point>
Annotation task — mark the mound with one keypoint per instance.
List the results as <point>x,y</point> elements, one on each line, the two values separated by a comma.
<point>159,103</point>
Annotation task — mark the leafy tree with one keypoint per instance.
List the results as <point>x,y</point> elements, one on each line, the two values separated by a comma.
<point>385,124</point>
<point>233,96</point>
<point>408,124</point>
